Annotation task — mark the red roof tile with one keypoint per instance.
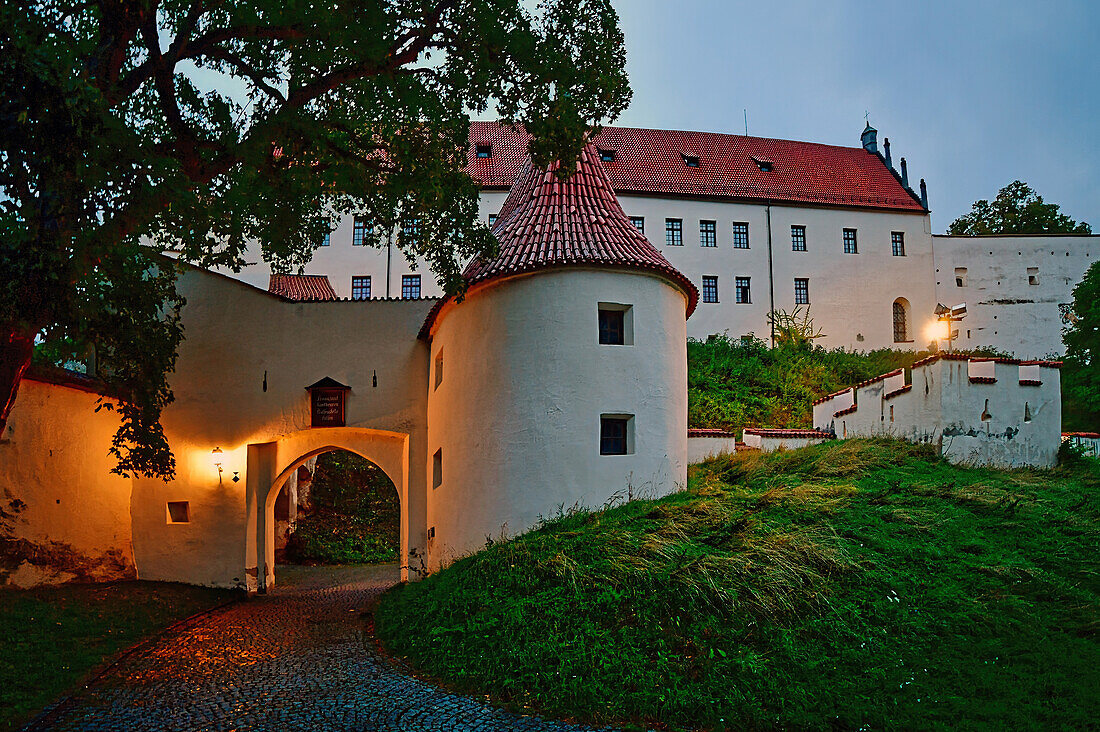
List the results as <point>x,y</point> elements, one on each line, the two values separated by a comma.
<point>546,222</point>
<point>983,380</point>
<point>709,432</point>
<point>652,162</point>
<point>842,412</point>
<point>301,287</point>
<point>787,433</point>
<point>897,392</point>
<point>1030,382</point>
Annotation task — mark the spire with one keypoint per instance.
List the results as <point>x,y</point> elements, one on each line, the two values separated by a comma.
<point>869,139</point>
<point>549,222</point>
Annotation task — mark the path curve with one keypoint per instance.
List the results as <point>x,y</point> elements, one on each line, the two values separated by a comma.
<point>300,658</point>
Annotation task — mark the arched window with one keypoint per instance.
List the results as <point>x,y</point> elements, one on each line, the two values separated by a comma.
<point>901,321</point>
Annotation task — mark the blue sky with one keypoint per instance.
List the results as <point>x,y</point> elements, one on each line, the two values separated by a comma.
<point>972,94</point>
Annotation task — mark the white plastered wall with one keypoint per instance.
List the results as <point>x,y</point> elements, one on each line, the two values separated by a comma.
<point>704,448</point>
<point>525,381</point>
<point>54,457</point>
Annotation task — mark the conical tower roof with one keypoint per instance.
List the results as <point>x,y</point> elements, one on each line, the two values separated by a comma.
<point>549,222</point>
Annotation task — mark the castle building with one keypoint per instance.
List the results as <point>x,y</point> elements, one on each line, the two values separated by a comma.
<point>761,225</point>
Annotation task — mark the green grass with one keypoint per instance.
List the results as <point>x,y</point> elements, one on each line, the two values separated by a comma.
<point>52,637</point>
<point>355,517</point>
<point>854,584</point>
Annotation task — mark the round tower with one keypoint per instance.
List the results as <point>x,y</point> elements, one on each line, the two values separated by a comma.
<point>560,380</point>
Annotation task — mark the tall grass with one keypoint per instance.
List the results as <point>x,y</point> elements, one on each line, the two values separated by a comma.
<point>860,583</point>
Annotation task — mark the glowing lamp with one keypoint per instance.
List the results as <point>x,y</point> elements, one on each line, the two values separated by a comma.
<point>216,459</point>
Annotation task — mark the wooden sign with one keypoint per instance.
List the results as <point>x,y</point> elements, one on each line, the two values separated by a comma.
<point>326,403</point>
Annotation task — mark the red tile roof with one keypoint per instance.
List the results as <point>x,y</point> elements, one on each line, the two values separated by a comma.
<point>842,412</point>
<point>301,287</point>
<point>652,162</point>
<point>897,392</point>
<point>1030,382</point>
<point>546,222</point>
<point>709,432</point>
<point>787,433</point>
<point>1088,435</point>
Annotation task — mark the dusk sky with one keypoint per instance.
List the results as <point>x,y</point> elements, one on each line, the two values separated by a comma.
<point>972,94</point>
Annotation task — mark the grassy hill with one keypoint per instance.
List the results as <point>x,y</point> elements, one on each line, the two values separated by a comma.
<point>853,584</point>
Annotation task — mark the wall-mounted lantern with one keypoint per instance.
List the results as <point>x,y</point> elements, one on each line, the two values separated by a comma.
<point>216,459</point>
<point>326,403</point>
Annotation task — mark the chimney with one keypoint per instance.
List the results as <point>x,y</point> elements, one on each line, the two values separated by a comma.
<point>923,194</point>
<point>904,173</point>
<point>869,138</point>
<point>886,147</point>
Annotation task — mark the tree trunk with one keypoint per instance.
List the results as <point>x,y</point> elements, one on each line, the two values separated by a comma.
<point>16,347</point>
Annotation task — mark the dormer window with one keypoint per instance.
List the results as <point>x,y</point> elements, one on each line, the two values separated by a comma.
<point>485,151</point>
<point>607,156</point>
<point>692,161</point>
<point>764,165</point>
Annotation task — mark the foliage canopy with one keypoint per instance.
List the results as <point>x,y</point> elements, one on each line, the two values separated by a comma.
<point>1017,209</point>
<point>1081,371</point>
<point>198,126</point>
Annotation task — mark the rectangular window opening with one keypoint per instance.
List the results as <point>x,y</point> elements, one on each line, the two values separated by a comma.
<point>410,287</point>
<point>960,277</point>
<point>850,245</point>
<point>639,223</point>
<point>897,243</point>
<point>801,291</point>
<point>742,293</point>
<point>740,235</point>
<point>674,232</point>
<point>798,238</point>
<point>360,287</point>
<point>485,151</point>
<point>327,240</point>
<point>708,233</point>
<point>439,368</point>
<point>710,288</point>
<point>616,324</point>
<point>692,161</point>
<point>492,220</point>
<point>607,156</point>
<point>616,434</point>
<point>437,468</point>
<point>410,231</point>
<point>359,231</point>
<point>179,512</point>
<point>1033,275</point>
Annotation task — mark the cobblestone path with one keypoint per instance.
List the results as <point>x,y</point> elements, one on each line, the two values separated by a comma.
<point>301,658</point>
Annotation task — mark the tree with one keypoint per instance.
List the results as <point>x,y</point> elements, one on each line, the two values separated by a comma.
<point>132,128</point>
<point>1081,364</point>
<point>1017,209</point>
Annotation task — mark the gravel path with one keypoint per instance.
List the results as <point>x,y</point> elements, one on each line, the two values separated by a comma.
<point>300,658</point>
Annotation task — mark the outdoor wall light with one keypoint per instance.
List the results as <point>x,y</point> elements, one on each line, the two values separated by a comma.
<point>216,459</point>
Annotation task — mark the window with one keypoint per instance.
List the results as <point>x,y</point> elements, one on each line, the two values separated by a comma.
<point>485,151</point>
<point>179,512</point>
<point>798,238</point>
<point>801,291</point>
<point>710,288</point>
<point>901,320</point>
<point>764,165</point>
<point>639,223</point>
<point>960,277</point>
<point>897,243</point>
<point>439,368</point>
<point>692,161</point>
<point>359,231</point>
<point>410,231</point>
<point>708,234</point>
<point>410,287</point>
<point>741,290</point>
<point>607,156</point>
<point>1033,275</point>
<point>326,240</point>
<point>850,241</point>
<point>437,468</point>
<point>740,235</point>
<point>616,434</point>
<point>492,220</point>
<point>611,327</point>
<point>360,287</point>
<point>674,232</point>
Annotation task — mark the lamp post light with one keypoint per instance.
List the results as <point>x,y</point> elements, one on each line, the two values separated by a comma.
<point>216,459</point>
<point>950,315</point>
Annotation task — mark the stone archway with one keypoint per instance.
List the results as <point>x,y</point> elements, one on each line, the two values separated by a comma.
<point>270,464</point>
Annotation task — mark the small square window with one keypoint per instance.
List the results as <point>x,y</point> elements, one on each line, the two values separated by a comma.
<point>1033,275</point>
<point>611,327</point>
<point>485,151</point>
<point>741,293</point>
<point>410,287</point>
<point>492,220</point>
<point>179,512</point>
<point>692,161</point>
<point>607,156</point>
<point>850,244</point>
<point>616,434</point>
<point>674,232</point>
<point>360,287</point>
<point>437,468</point>
<point>764,165</point>
<point>708,233</point>
<point>439,368</point>
<point>798,238</point>
<point>960,277</point>
<point>327,240</point>
<point>740,235</point>
<point>710,288</point>
<point>410,232</point>
<point>897,243</point>
<point>801,291</point>
<point>639,223</point>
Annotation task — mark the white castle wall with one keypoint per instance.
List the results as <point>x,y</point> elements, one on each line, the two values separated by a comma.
<point>977,411</point>
<point>525,382</point>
